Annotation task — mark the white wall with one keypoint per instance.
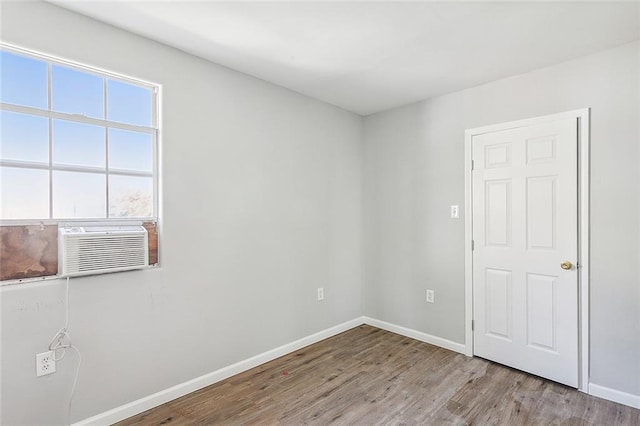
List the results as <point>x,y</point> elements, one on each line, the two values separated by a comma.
<point>262,205</point>
<point>414,169</point>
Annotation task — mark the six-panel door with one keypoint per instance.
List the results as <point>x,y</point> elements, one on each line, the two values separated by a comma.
<point>524,226</point>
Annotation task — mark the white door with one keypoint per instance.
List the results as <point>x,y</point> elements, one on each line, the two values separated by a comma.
<point>525,225</point>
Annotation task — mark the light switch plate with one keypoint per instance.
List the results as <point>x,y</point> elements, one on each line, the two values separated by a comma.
<point>455,212</point>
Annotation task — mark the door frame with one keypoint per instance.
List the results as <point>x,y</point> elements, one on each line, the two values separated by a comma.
<point>583,123</point>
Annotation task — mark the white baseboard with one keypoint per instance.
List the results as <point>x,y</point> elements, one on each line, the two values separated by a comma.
<point>418,335</point>
<point>135,407</point>
<point>614,395</point>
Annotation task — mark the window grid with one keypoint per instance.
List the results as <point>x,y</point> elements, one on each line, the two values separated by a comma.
<point>50,125</point>
<point>106,144</point>
<point>105,123</point>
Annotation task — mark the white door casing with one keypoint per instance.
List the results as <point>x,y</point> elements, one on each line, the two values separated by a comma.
<point>524,219</point>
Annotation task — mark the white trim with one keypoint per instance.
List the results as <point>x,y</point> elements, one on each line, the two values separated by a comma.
<point>12,284</point>
<point>76,118</point>
<point>468,252</point>
<point>614,395</point>
<point>18,164</point>
<point>74,64</point>
<point>138,406</point>
<point>121,221</point>
<point>584,146</point>
<point>153,130</point>
<point>582,115</point>
<point>578,113</point>
<point>417,335</point>
<point>50,139</point>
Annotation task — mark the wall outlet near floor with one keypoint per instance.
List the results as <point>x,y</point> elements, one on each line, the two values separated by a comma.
<point>45,364</point>
<point>431,297</point>
<point>320,293</point>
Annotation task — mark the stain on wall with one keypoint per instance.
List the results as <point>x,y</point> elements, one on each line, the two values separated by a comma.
<point>28,251</point>
<point>32,251</point>
<point>152,235</point>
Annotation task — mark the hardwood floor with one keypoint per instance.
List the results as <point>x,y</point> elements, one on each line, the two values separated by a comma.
<point>368,376</point>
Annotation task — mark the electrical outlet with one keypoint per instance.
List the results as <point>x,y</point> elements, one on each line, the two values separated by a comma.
<point>45,364</point>
<point>431,297</point>
<point>320,293</point>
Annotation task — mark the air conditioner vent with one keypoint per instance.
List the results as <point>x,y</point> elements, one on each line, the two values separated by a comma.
<point>97,250</point>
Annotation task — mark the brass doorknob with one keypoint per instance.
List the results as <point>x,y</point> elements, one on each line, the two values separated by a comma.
<point>566,265</point>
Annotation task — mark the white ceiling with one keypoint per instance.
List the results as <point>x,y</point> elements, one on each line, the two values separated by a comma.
<point>371,56</point>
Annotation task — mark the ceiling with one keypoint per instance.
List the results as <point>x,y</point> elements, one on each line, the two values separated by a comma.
<point>370,56</point>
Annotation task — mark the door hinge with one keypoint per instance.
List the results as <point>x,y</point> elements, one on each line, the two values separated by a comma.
<point>473,325</point>
<point>472,165</point>
<point>473,245</point>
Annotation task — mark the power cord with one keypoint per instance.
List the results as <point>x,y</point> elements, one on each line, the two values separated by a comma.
<point>60,343</point>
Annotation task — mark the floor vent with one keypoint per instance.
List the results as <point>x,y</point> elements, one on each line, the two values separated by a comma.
<point>101,249</point>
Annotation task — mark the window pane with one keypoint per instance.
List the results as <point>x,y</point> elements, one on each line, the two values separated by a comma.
<point>79,195</point>
<point>128,103</point>
<point>24,137</point>
<point>130,150</point>
<point>24,80</point>
<point>78,144</point>
<point>77,92</point>
<point>24,193</point>
<point>130,196</point>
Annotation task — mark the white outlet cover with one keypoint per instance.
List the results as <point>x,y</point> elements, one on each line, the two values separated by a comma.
<point>320,293</point>
<point>45,364</point>
<point>430,296</point>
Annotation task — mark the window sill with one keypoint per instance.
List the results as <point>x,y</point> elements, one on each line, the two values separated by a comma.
<point>26,281</point>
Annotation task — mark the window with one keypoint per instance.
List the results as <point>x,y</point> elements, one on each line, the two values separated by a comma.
<point>75,143</point>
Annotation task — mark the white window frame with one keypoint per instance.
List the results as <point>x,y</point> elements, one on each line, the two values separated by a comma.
<point>153,130</point>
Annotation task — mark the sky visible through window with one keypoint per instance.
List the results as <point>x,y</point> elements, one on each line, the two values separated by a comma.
<point>80,152</point>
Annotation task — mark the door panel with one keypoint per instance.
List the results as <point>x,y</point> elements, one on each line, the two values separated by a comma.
<point>498,301</point>
<point>541,213</point>
<point>524,225</point>
<point>498,212</point>
<point>540,311</point>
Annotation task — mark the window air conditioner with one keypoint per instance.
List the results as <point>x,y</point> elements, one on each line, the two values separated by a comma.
<point>87,250</point>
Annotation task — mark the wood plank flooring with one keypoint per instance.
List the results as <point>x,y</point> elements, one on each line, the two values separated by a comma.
<point>368,376</point>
